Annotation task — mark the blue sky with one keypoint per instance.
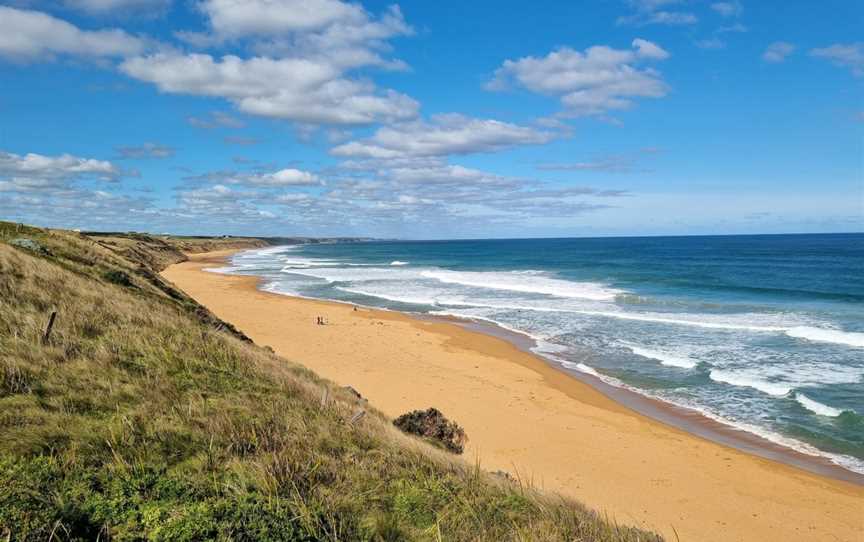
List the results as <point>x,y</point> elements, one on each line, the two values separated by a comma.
<point>431,119</point>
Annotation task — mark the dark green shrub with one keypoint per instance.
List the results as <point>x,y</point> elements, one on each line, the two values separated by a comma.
<point>433,425</point>
<point>120,278</point>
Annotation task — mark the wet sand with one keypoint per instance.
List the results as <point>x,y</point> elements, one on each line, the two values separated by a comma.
<point>536,422</point>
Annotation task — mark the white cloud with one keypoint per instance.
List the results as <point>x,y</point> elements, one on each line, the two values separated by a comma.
<point>445,134</point>
<point>672,18</point>
<point>591,82</point>
<point>283,177</point>
<point>615,164</point>
<point>55,189</point>
<point>293,198</point>
<point>244,17</point>
<point>651,5</point>
<point>260,178</point>
<point>648,12</point>
<point>297,89</point>
<point>646,49</point>
<point>728,9</point>
<point>447,174</point>
<point>33,172</point>
<point>441,194</point>
<point>101,7</point>
<point>844,55</point>
<point>302,51</point>
<point>778,51</point>
<point>215,119</point>
<point>30,35</point>
<point>344,34</point>
<point>147,150</point>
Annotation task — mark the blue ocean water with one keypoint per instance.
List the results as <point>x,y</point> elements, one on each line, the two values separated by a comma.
<point>765,333</point>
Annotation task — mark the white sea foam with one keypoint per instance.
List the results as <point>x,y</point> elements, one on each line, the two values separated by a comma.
<point>356,273</point>
<point>779,380</point>
<point>742,322</point>
<point>824,335</point>
<point>532,282</point>
<point>289,264</point>
<point>587,369</point>
<point>847,462</point>
<point>815,406</point>
<point>747,380</point>
<point>399,298</point>
<point>268,251</point>
<point>536,283</point>
<point>664,358</point>
<point>438,298</point>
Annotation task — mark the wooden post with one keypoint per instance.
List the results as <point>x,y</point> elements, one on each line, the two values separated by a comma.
<point>49,327</point>
<point>324,397</point>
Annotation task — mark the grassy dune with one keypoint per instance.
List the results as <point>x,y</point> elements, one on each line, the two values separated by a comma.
<point>145,417</point>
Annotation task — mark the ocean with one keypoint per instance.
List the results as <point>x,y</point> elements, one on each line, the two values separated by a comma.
<point>762,333</point>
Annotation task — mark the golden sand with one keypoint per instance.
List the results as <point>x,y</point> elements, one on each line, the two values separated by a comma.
<point>535,422</point>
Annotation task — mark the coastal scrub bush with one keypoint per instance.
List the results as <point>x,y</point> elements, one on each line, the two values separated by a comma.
<point>433,425</point>
<point>120,278</point>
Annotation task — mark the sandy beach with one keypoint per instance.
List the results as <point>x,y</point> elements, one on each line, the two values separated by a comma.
<point>535,422</point>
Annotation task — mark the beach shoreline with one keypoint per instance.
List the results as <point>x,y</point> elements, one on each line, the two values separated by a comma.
<point>685,419</point>
<point>538,422</point>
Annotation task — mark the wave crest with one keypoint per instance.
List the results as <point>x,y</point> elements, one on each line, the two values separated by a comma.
<point>816,407</point>
<point>531,282</point>
<point>824,335</point>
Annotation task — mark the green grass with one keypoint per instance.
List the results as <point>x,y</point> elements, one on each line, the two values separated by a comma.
<point>140,419</point>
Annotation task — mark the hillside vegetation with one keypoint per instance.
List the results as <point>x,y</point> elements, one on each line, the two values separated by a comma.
<point>144,417</point>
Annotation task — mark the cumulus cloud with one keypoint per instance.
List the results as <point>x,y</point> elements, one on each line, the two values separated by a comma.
<point>591,82</point>
<point>297,89</point>
<point>447,193</point>
<point>33,172</point>
<point>27,35</point>
<point>284,177</point>
<point>849,56</point>
<point>90,209</point>
<point>443,135</point>
<point>647,12</point>
<point>243,17</point>
<point>302,54</point>
<point>147,150</point>
<point>778,51</point>
<point>261,177</point>
<point>441,174</point>
<point>340,33</point>
<point>59,189</point>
